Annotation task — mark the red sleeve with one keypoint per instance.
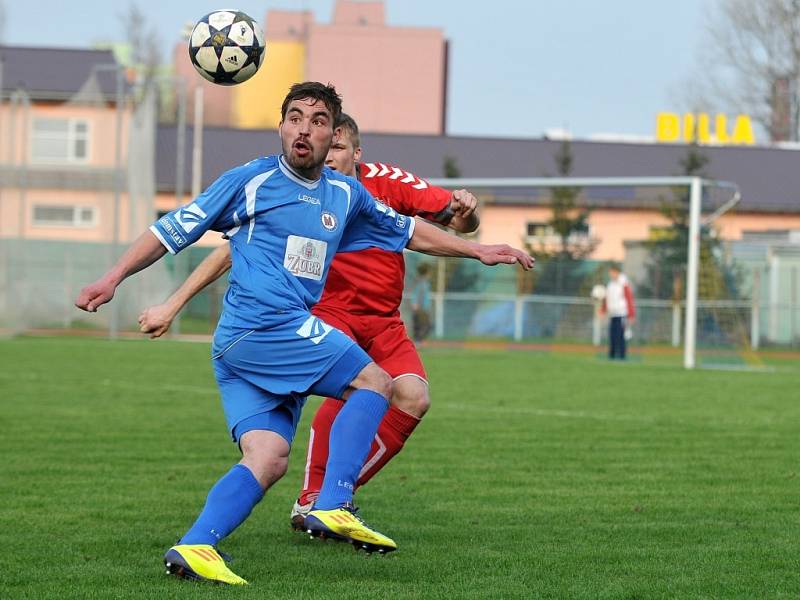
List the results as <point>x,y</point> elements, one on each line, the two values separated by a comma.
<point>629,300</point>
<point>405,192</point>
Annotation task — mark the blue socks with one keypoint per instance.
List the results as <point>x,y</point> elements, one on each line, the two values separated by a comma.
<point>350,440</point>
<point>229,503</point>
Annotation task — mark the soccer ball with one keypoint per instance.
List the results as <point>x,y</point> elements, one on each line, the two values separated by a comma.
<point>227,47</point>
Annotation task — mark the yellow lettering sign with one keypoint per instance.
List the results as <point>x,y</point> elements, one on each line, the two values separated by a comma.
<point>672,127</point>
<point>743,131</point>
<point>668,127</point>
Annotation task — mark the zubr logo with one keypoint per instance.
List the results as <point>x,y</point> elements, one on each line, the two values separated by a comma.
<point>189,217</point>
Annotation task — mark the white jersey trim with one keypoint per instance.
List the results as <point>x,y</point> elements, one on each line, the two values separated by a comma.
<point>422,379</point>
<point>346,188</point>
<point>161,239</point>
<point>310,184</point>
<point>250,190</point>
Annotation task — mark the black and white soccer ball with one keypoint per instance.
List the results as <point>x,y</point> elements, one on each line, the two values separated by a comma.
<point>227,47</point>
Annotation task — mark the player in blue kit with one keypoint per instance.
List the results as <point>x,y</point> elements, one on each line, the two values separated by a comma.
<point>286,216</point>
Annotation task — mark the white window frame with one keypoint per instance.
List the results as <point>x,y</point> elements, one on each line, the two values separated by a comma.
<point>72,136</point>
<point>76,221</point>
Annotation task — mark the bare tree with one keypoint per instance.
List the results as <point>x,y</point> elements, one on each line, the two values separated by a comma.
<point>144,44</point>
<point>750,63</point>
<point>2,22</point>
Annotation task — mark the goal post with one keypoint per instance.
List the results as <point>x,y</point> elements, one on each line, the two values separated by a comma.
<point>695,186</point>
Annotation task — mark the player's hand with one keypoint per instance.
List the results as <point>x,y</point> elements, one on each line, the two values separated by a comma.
<point>463,203</point>
<point>496,254</point>
<point>156,320</point>
<point>95,295</point>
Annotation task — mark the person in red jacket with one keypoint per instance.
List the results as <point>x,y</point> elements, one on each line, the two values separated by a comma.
<point>618,304</point>
<point>362,298</point>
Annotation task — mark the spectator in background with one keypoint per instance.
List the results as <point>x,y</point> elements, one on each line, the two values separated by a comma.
<point>421,302</point>
<point>618,304</point>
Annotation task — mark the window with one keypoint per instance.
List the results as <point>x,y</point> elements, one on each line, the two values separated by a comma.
<point>538,229</point>
<point>64,216</point>
<point>59,140</point>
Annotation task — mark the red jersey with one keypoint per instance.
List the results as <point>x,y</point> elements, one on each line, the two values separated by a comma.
<point>371,281</point>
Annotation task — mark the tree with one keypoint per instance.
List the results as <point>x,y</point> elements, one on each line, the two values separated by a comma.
<point>668,246</point>
<point>450,167</point>
<point>2,22</point>
<point>569,220</point>
<point>561,269</point>
<point>751,63</point>
<point>144,43</point>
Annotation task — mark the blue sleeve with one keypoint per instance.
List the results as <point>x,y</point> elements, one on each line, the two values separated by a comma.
<point>211,210</point>
<point>371,224</point>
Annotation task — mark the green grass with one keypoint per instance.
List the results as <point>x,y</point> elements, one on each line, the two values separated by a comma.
<point>535,475</point>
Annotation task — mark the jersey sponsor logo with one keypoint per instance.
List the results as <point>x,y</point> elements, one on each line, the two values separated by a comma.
<point>173,233</point>
<point>329,221</point>
<point>387,210</point>
<point>190,216</point>
<point>306,198</point>
<point>305,257</point>
<point>314,329</point>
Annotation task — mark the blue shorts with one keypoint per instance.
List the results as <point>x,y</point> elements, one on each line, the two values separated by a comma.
<point>264,376</point>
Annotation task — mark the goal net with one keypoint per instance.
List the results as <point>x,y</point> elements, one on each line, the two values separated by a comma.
<point>675,234</point>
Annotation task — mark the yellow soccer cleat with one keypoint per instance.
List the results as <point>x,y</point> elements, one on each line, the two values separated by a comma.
<point>343,524</point>
<point>201,562</point>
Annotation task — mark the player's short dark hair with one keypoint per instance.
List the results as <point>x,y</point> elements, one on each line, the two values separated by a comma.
<point>348,124</point>
<point>315,91</point>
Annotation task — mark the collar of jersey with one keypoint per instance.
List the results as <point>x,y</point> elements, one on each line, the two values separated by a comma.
<point>310,184</point>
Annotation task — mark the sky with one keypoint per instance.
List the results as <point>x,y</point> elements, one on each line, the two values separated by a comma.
<point>518,68</point>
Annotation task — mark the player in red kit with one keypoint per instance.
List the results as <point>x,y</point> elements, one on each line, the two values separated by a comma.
<point>362,298</point>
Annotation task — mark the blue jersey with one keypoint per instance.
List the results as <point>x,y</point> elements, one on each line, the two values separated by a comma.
<point>284,231</point>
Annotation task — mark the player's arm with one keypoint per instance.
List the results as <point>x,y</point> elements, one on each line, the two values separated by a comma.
<point>429,239</point>
<point>412,195</point>
<point>157,319</point>
<point>463,206</point>
<point>144,251</point>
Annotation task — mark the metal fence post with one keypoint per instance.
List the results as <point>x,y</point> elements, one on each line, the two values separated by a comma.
<point>755,311</point>
<point>518,318</point>
<point>676,324</point>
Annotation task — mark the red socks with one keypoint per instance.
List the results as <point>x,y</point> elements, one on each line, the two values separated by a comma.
<point>392,434</point>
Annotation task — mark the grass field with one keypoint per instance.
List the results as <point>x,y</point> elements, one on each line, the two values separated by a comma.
<point>535,475</point>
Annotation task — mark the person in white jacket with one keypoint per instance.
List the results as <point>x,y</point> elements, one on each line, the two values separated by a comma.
<point>619,306</point>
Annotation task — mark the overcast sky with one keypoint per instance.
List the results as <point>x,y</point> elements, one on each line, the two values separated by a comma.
<point>517,67</point>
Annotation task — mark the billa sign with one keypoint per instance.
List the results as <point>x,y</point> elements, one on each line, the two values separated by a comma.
<point>700,128</point>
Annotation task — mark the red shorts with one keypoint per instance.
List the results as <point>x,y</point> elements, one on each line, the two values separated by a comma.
<point>384,338</point>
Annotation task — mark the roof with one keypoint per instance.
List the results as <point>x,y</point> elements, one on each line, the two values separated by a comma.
<point>769,178</point>
<point>55,73</point>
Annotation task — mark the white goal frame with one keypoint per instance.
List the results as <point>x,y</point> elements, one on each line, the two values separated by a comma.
<point>695,186</point>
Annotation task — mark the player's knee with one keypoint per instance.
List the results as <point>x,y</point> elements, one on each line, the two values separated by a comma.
<point>372,377</point>
<point>412,397</point>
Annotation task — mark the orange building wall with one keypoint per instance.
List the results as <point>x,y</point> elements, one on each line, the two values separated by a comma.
<point>102,129</point>
<point>17,206</point>
<point>506,224</point>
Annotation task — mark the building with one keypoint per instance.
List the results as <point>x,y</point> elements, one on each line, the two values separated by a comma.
<point>393,78</point>
<point>767,176</point>
<point>64,145</point>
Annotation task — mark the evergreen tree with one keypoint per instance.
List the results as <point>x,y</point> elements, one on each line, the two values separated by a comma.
<point>562,269</point>
<point>668,248</point>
